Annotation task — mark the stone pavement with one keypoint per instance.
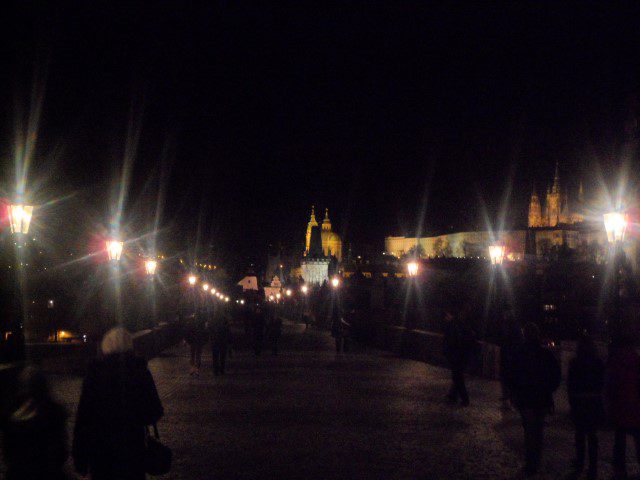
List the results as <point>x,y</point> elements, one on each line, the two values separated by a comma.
<point>310,414</point>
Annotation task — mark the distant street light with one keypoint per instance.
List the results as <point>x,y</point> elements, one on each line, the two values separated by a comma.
<point>192,280</point>
<point>213,290</point>
<point>114,249</point>
<point>20,217</point>
<point>150,267</point>
<point>205,286</point>
<point>496,254</point>
<point>288,292</point>
<point>412,269</point>
<point>278,296</point>
<point>615,223</point>
<point>335,282</point>
<point>304,289</point>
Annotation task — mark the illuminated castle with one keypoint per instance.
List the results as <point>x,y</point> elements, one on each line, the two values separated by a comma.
<point>331,242</point>
<point>556,207</point>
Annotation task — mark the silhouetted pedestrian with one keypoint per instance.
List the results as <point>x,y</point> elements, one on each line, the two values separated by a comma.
<point>623,399</point>
<point>339,330</point>
<point>220,337</point>
<point>585,383</point>
<point>34,431</point>
<point>258,322</point>
<point>274,332</point>
<point>458,347</point>
<point>510,342</point>
<point>195,334</point>
<point>118,400</point>
<point>532,380</point>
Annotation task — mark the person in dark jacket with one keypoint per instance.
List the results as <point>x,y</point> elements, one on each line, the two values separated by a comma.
<point>623,399</point>
<point>220,337</point>
<point>459,343</point>
<point>118,400</point>
<point>34,433</point>
<point>195,335</point>
<point>585,383</point>
<point>510,341</point>
<point>533,378</point>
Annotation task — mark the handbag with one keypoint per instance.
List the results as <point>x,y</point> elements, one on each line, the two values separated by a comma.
<point>157,456</point>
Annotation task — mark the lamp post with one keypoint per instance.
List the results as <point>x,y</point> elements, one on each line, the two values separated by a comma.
<point>114,249</point>
<point>496,254</point>
<point>412,269</point>
<point>615,224</point>
<point>335,282</point>
<point>20,217</point>
<point>150,267</point>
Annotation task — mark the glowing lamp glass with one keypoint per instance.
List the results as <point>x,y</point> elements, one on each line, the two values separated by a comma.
<point>20,218</point>
<point>205,287</point>
<point>150,267</point>
<point>304,289</point>
<point>335,282</point>
<point>412,269</point>
<point>288,292</point>
<point>496,254</point>
<point>192,280</point>
<point>114,249</point>
<point>615,223</point>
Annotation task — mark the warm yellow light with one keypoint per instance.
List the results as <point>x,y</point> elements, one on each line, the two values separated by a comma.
<point>213,290</point>
<point>496,254</point>
<point>412,268</point>
<point>278,296</point>
<point>241,302</point>
<point>20,218</point>
<point>150,267</point>
<point>114,249</point>
<point>304,289</point>
<point>615,223</point>
<point>335,282</point>
<point>271,298</point>
<point>192,280</point>
<point>226,299</point>
<point>288,292</point>
<point>205,286</point>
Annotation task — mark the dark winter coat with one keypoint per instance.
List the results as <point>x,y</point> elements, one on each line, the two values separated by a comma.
<point>623,387</point>
<point>534,376</point>
<point>35,441</point>
<point>118,399</point>
<point>195,330</point>
<point>459,344</point>
<point>585,384</point>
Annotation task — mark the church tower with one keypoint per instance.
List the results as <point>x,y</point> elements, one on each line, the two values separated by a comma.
<point>312,223</point>
<point>535,211</point>
<point>553,202</point>
<point>326,223</point>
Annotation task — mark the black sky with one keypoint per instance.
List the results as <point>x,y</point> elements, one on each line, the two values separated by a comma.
<point>372,109</point>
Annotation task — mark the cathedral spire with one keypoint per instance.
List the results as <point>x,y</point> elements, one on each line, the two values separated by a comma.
<point>313,214</point>
<point>556,180</point>
<point>326,223</point>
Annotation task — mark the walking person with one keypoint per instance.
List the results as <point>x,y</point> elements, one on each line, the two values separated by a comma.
<point>196,336</point>
<point>258,320</point>
<point>274,332</point>
<point>585,384</point>
<point>34,432</point>
<point>623,399</point>
<point>118,400</point>
<point>532,380</point>
<point>459,344</point>
<point>220,337</point>
<point>511,339</point>
<point>339,330</point>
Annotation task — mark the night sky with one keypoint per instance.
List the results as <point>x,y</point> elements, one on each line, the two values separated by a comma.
<point>381,111</point>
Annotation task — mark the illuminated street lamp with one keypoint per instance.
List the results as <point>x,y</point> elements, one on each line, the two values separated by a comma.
<point>213,290</point>
<point>304,289</point>
<point>114,249</point>
<point>192,280</point>
<point>335,282</point>
<point>20,217</point>
<point>496,254</point>
<point>278,296</point>
<point>150,267</point>
<point>288,292</point>
<point>615,223</point>
<point>412,269</point>
<point>205,286</point>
